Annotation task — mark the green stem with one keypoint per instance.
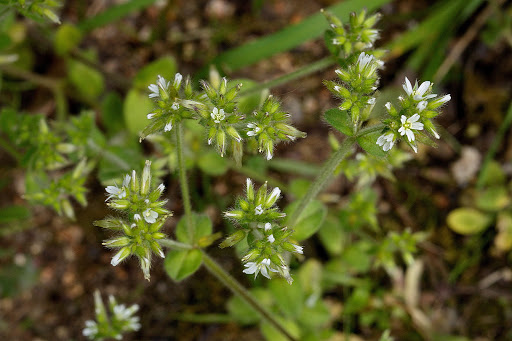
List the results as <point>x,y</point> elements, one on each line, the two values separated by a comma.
<point>104,153</point>
<point>184,181</point>
<point>239,290</point>
<point>320,182</point>
<point>494,147</point>
<point>302,72</point>
<point>172,244</point>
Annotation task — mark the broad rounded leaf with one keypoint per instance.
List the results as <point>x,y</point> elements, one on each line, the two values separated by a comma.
<point>503,240</point>
<point>85,79</point>
<point>67,38</point>
<point>310,220</point>
<point>179,264</point>
<point>369,143</point>
<point>137,106</point>
<point>202,228</point>
<point>340,120</point>
<point>271,333</point>
<point>468,221</point>
<point>332,235</point>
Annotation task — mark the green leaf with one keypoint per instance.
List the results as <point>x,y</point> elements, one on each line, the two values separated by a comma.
<point>85,79</point>
<point>310,220</point>
<point>357,301</point>
<point>369,143</point>
<point>272,334</point>
<point>202,228</point>
<point>340,120</point>
<point>137,106</point>
<point>468,221</point>
<point>493,199</point>
<point>112,113</point>
<point>213,164</point>
<point>243,312</point>
<point>66,39</point>
<point>332,236</point>
<point>289,37</point>
<point>315,316</point>
<point>289,298</point>
<point>113,14</point>
<point>165,67</point>
<point>299,187</point>
<point>179,264</point>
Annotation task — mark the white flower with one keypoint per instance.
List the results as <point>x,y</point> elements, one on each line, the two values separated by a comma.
<point>418,93</point>
<point>126,180</point>
<point>276,192</point>
<point>175,106</point>
<point>154,88</point>
<point>91,329</point>
<point>421,106</point>
<point>386,141</point>
<point>388,106</point>
<point>177,81</point>
<point>271,238</point>
<point>168,126</point>
<point>298,249</point>
<point>258,210</point>
<point>364,61</point>
<point>150,116</point>
<point>114,191</point>
<point>137,217</point>
<point>150,215</point>
<point>410,124</point>
<point>218,115</point>
<point>268,226</point>
<point>254,129</point>
<point>255,268</point>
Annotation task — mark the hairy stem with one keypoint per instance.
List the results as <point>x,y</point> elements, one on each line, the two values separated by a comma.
<point>185,194</point>
<point>321,180</point>
<point>239,290</point>
<point>302,72</point>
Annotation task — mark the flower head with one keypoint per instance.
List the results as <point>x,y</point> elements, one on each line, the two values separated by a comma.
<point>161,87</point>
<point>418,93</point>
<point>263,266</point>
<point>218,115</point>
<point>386,141</point>
<point>410,124</point>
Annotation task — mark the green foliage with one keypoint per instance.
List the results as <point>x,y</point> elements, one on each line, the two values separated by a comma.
<point>183,263</point>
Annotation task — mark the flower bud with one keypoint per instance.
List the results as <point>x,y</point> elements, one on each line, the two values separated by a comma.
<point>120,256</point>
<point>146,178</point>
<point>233,239</point>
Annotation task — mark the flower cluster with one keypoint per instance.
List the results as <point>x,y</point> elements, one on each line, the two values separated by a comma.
<point>414,117</point>
<point>215,108</point>
<point>171,104</point>
<point>349,40</point>
<point>144,217</point>
<point>258,219</point>
<point>122,320</point>
<point>268,126</point>
<point>359,82</point>
<point>221,118</point>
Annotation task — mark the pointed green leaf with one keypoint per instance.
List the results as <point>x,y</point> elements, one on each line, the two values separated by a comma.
<point>289,298</point>
<point>340,120</point>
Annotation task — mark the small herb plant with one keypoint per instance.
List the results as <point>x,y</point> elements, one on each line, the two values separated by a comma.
<point>268,233</point>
